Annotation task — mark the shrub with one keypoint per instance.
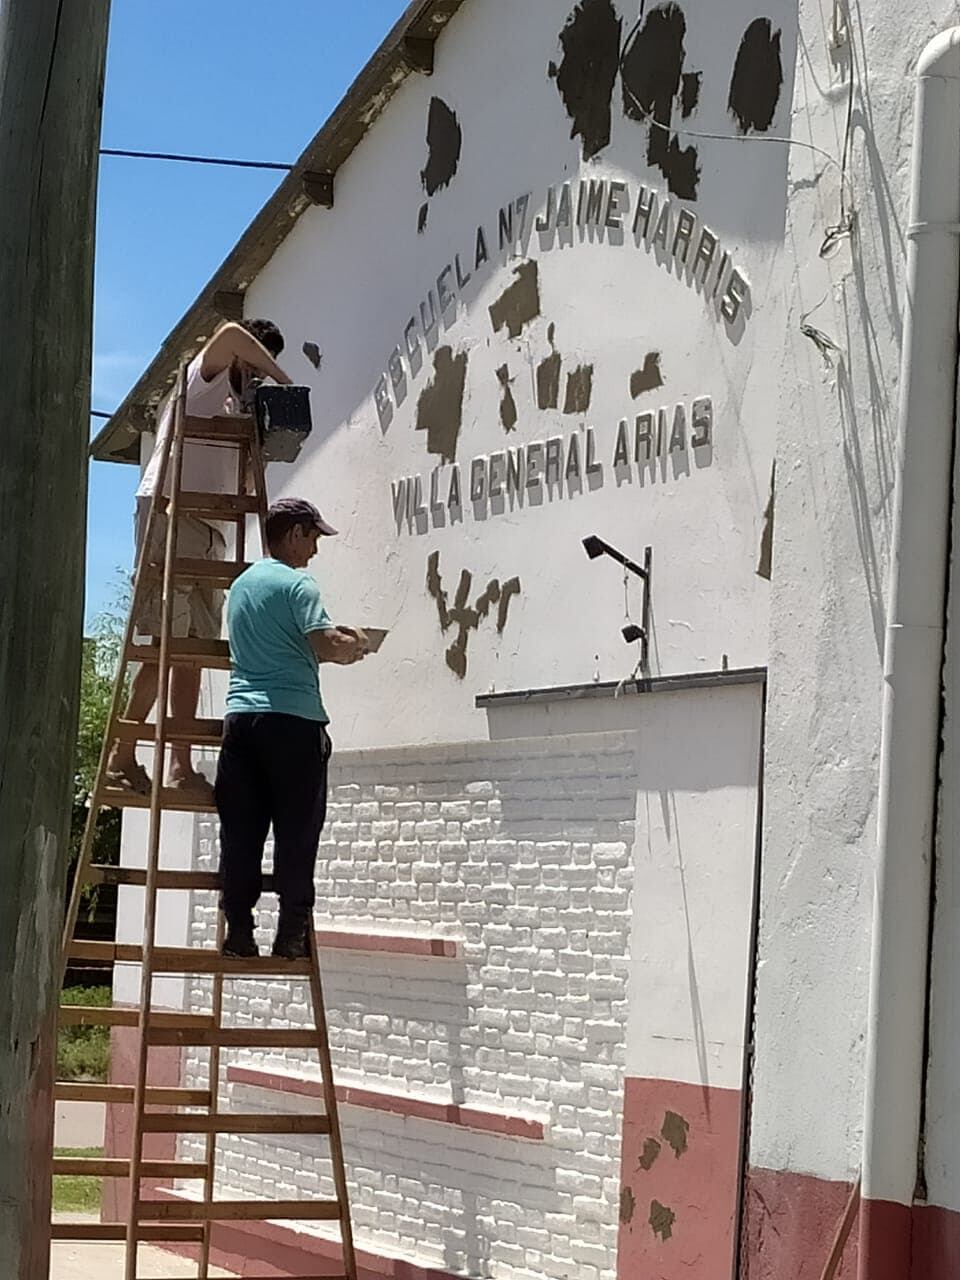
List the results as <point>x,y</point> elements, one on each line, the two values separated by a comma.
<point>83,1053</point>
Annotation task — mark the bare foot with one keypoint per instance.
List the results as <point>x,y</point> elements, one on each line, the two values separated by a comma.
<point>193,782</point>
<point>128,775</point>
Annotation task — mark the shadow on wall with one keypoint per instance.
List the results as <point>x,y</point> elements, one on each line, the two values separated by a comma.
<point>863,369</point>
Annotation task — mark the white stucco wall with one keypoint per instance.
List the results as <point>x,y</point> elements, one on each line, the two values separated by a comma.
<point>351,278</point>
<point>835,476</point>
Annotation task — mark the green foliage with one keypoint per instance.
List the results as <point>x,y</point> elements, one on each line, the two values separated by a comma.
<point>101,656</point>
<point>77,1194</point>
<point>83,1053</point>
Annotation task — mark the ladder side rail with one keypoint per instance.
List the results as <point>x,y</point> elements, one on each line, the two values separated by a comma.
<point>210,1147</point>
<point>213,1080</point>
<point>260,483</point>
<point>116,710</point>
<point>153,850</point>
<point>330,1102</point>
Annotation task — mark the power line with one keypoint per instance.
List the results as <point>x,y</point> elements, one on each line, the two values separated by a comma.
<point>165,155</point>
<point>96,413</point>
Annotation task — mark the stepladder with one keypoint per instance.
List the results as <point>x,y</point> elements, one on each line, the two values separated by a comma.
<point>177,1200</point>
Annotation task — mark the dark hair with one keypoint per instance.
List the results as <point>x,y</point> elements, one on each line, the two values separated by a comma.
<point>287,514</point>
<point>267,334</point>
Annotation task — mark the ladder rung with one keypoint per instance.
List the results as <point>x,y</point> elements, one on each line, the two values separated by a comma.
<point>100,873</point>
<point>99,1168</point>
<point>156,1096</point>
<point>117,1231</point>
<point>212,573</point>
<point>79,1015</point>
<point>235,1037</point>
<point>224,1122</point>
<point>238,1210</point>
<point>197,733</point>
<point>214,654</point>
<point>225,505</point>
<point>235,429</point>
<point>187,960</point>
<point>174,799</point>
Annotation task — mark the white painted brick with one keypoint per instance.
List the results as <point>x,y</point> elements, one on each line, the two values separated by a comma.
<point>521,852</point>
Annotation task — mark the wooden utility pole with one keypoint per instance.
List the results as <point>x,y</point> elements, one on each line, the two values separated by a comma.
<point>51,90</point>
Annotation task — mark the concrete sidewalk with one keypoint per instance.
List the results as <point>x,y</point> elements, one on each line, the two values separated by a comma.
<point>82,1261</point>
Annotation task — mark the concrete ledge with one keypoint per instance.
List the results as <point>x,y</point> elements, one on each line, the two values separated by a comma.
<point>463,1117</point>
<point>400,944</point>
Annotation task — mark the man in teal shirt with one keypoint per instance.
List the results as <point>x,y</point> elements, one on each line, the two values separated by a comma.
<point>273,761</point>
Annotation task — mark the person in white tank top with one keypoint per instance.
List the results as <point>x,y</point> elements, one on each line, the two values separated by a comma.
<point>217,381</point>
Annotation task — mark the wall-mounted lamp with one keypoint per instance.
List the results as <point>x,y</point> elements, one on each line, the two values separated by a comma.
<point>596,547</point>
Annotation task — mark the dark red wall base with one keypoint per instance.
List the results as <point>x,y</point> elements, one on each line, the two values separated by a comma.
<point>792,1220</point>
<point>164,1070</point>
<point>266,1249</point>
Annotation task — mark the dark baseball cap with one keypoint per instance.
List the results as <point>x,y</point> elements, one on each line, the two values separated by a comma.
<point>286,512</point>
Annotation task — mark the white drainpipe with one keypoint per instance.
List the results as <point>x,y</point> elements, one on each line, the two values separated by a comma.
<point>912,670</point>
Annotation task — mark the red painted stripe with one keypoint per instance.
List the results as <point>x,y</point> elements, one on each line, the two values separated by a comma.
<point>398,1103</point>
<point>267,1248</point>
<point>400,944</point>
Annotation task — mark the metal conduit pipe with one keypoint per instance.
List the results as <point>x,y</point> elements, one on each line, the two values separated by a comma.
<point>913,662</point>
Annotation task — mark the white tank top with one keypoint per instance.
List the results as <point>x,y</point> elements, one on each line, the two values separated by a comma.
<point>206,468</point>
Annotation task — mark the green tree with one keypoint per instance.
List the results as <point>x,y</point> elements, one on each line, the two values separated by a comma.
<point>100,661</point>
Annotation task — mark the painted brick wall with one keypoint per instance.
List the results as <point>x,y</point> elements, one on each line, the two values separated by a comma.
<point>521,851</point>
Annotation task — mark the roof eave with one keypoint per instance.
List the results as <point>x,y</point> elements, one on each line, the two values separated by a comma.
<point>407,50</point>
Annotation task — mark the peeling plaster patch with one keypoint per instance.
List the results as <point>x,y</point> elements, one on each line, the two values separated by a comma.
<point>674,1133</point>
<point>445,141</point>
<point>579,390</point>
<point>652,71</point>
<point>422,219</point>
<point>649,378</point>
<point>548,377</point>
<point>588,72</point>
<point>520,301</point>
<point>440,407</point>
<point>648,1156</point>
<point>628,1205</point>
<point>690,93</point>
<point>757,78</point>
<point>765,567</point>
<point>313,354</point>
<point>661,1220</point>
<point>467,618</point>
<point>508,405</point>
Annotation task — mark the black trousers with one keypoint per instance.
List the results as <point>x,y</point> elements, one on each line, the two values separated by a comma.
<point>272,770</point>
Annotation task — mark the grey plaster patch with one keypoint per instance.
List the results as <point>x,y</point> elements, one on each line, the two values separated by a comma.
<point>579,390</point>
<point>586,76</point>
<point>445,143</point>
<point>757,78</point>
<point>647,378</point>
<point>440,407</point>
<point>519,303</point>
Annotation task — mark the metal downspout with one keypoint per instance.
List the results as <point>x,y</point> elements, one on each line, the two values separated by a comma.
<point>913,661</point>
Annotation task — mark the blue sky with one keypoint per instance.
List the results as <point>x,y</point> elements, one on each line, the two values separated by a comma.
<point>229,78</point>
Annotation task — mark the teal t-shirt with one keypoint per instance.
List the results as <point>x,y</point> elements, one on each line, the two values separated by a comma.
<point>271,609</point>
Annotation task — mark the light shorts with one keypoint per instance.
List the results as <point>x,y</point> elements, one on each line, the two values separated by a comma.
<point>197,609</point>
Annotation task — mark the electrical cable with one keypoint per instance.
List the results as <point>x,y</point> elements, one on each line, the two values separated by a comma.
<point>833,234</point>
<point>211,160</point>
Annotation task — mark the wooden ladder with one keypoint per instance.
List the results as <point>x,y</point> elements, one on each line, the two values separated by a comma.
<point>180,1110</point>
